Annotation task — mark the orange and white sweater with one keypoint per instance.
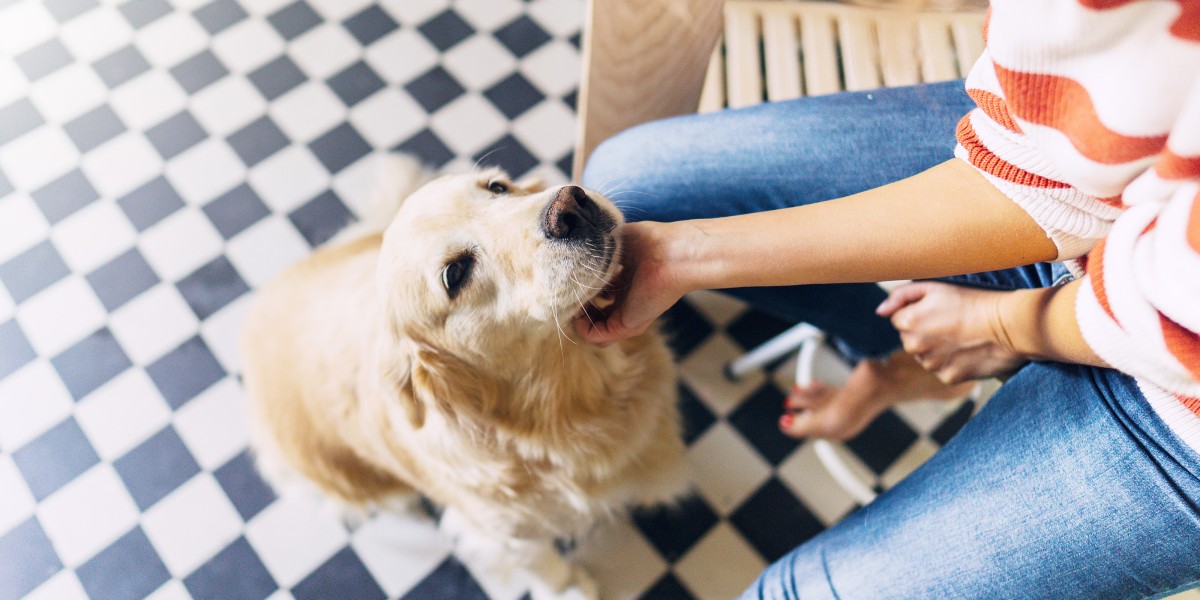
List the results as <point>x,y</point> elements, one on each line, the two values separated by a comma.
<point>1089,119</point>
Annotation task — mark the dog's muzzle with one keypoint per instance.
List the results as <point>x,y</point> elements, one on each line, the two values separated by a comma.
<point>572,216</point>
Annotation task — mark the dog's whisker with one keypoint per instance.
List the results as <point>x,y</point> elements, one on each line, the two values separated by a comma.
<point>480,160</point>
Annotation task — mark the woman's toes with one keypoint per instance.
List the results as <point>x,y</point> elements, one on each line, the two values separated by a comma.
<point>814,395</point>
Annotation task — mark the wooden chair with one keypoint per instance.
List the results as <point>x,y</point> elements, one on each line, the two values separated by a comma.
<point>650,59</point>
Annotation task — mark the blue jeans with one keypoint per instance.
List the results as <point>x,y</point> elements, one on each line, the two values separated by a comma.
<point>1065,485</point>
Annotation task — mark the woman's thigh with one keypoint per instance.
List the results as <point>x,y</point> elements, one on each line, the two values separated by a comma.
<point>1065,485</point>
<point>778,154</point>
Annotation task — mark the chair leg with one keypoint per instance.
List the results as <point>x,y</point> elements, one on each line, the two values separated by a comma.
<point>771,350</point>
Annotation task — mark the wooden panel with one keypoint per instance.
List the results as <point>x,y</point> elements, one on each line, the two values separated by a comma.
<point>818,39</point>
<point>712,95</point>
<point>898,48</point>
<point>860,59</point>
<point>937,53</point>
<point>743,70</point>
<point>782,52</point>
<point>968,41</point>
<point>643,60</point>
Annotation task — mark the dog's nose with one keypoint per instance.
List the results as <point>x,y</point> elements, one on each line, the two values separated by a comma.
<point>570,214</point>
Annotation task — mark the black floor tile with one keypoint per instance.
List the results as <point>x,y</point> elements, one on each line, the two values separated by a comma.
<point>522,36</point>
<point>235,210</point>
<point>277,77</point>
<point>790,525</point>
<point>140,13</point>
<point>64,196</point>
<point>685,328</point>
<point>121,66</point>
<point>697,418</point>
<point>757,419</point>
<point>211,287</point>
<point>199,71</point>
<point>370,25</point>
<point>883,441</point>
<point>355,84</point>
<point>65,10</point>
<point>94,127</point>
<point>235,573</point>
<point>91,363</point>
<point>33,271</point>
<point>446,29</point>
<point>426,146</point>
<point>340,147</point>
<point>952,424</point>
<point>17,119</point>
<point>514,95</point>
<point>434,89</point>
<point>509,154</point>
<point>667,588</point>
<point>320,218</point>
<point>257,141</point>
<point>675,529</point>
<point>15,351</point>
<point>127,570</point>
<point>43,59</point>
<point>122,279</point>
<point>157,467</point>
<point>150,203</point>
<point>294,19</point>
<point>55,458</point>
<point>244,486</point>
<point>219,15</point>
<point>176,134</point>
<point>342,576</point>
<point>450,580</point>
<point>27,559</point>
<point>185,372</point>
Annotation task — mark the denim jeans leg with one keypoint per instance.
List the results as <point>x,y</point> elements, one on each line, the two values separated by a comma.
<point>779,155</point>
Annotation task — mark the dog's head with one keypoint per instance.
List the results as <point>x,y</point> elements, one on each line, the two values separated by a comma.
<point>481,271</point>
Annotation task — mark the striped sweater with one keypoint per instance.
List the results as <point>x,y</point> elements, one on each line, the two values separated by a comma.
<point>1089,119</point>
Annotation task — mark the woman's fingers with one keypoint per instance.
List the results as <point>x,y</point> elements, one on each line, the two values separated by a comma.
<point>901,297</point>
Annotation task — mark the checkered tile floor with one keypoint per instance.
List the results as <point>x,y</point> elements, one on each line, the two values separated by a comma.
<point>159,160</point>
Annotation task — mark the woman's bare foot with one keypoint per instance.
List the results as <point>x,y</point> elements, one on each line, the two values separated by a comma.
<point>821,411</point>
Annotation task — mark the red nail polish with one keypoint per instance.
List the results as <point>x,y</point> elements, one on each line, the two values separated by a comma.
<point>786,421</point>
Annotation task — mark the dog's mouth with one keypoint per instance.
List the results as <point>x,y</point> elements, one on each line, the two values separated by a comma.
<point>605,271</point>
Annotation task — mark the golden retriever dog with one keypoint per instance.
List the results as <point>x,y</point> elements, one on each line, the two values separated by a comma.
<point>439,358</point>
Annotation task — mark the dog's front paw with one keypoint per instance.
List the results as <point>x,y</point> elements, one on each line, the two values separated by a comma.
<point>580,586</point>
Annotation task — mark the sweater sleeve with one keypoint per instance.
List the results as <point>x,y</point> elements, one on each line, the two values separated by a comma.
<point>1089,119</point>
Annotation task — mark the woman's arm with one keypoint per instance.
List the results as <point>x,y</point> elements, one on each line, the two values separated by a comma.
<point>946,220</point>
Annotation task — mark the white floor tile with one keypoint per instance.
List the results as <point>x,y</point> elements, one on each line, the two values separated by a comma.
<point>171,590</point>
<point>401,55</point>
<point>294,536</point>
<point>60,315</point>
<point>324,51</point>
<point>807,479</point>
<point>227,106</point>
<point>547,130</point>
<point>479,62</point>
<point>180,244</point>
<point>468,124</point>
<point>414,12</point>
<point>13,84</point>
<point>489,15</point>
<point>121,164</point>
<point>16,503</point>
<point>24,25</point>
<point>32,400</point>
<point>93,236</point>
<point>96,33</point>
<point>88,514</point>
<point>338,10</point>
<point>247,45</point>
<point>191,524</point>
<point>122,414</point>
<point>620,559</point>
<point>37,158</point>
<point>148,99</point>
<point>727,470</point>
<point>213,425</point>
<point>554,68</point>
<point>558,17</point>
<point>22,225</point>
<point>63,586</point>
<point>222,332</point>
<point>388,118</point>
<point>153,324</point>
<point>266,249</point>
<point>171,39</point>
<point>68,93</point>
<point>205,171</point>
<point>399,550</point>
<point>308,111</point>
<point>722,565</point>
<point>288,179</point>
<point>703,370</point>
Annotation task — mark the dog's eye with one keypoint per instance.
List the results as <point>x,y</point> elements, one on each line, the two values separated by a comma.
<point>455,274</point>
<point>498,187</point>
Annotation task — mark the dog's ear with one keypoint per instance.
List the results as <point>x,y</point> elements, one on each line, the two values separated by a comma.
<point>459,391</point>
<point>396,371</point>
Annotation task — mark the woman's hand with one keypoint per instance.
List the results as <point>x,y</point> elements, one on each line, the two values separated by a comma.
<point>649,283</point>
<point>957,333</point>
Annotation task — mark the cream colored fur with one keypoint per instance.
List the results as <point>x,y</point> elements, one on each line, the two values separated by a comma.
<point>368,381</point>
